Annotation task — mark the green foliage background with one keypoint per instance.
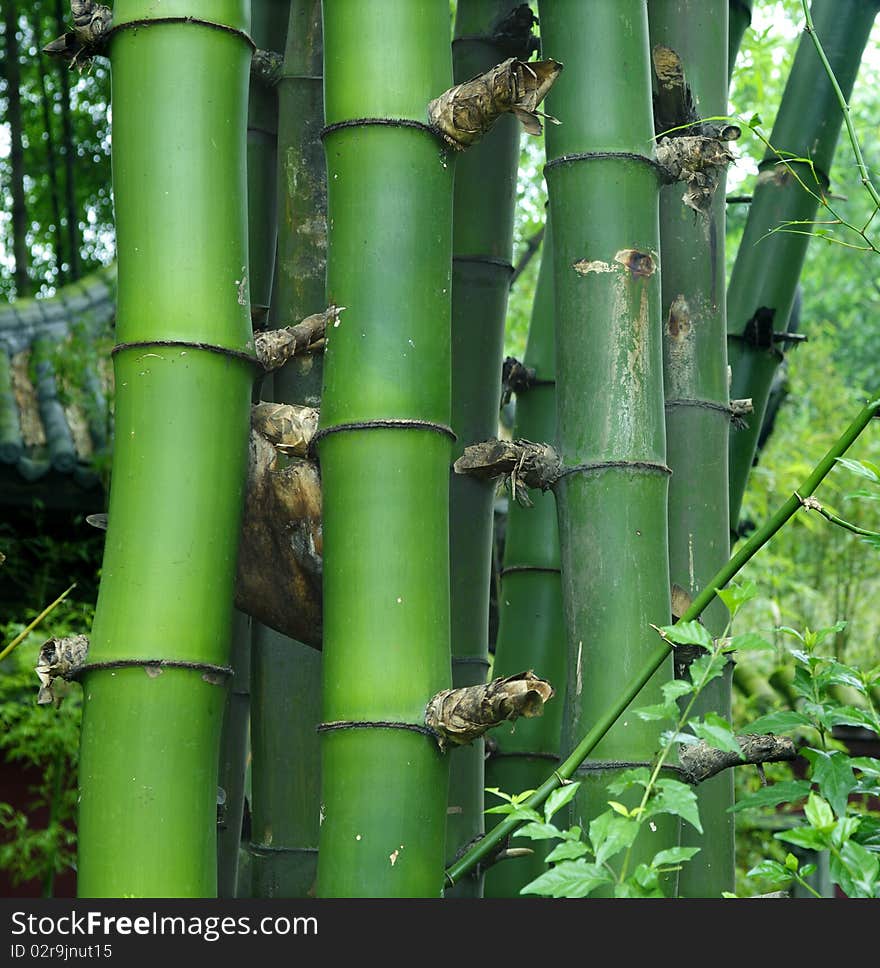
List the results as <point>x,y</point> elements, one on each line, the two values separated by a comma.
<point>811,575</point>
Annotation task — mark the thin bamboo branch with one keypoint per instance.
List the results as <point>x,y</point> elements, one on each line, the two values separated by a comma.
<point>603,723</point>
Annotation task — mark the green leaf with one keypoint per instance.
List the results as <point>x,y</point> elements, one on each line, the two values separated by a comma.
<point>778,722</point>
<point>807,837</point>
<point>840,674</point>
<point>658,712</point>
<point>567,850</point>
<point>571,878</point>
<point>687,633</point>
<point>675,689</point>
<point>644,882</point>
<point>705,668</point>
<point>674,855</point>
<point>864,468</point>
<point>610,833</point>
<point>818,811</point>
<point>791,862</point>
<point>851,716</point>
<point>717,733</point>
<point>772,871</point>
<point>559,797</point>
<point>787,791</point>
<point>672,796</point>
<point>639,776</point>
<point>856,870</point>
<point>749,642</point>
<point>833,774</point>
<point>735,596</point>
<point>538,831</point>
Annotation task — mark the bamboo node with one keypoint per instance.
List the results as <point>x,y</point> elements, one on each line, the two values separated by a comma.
<point>467,111</point>
<point>275,347</point>
<point>459,716</point>
<point>699,162</point>
<point>91,28</point>
<point>65,659</point>
<point>524,464</point>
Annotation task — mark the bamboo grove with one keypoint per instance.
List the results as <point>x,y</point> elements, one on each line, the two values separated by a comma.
<point>314,213</point>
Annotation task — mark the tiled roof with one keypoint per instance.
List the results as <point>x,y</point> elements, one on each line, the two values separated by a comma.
<point>55,377</point>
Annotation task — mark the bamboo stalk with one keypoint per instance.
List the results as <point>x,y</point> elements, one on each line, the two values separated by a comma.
<point>386,485</point>
<point>287,673</point>
<point>697,413</point>
<point>150,743</point>
<point>531,632</point>
<point>482,245</point>
<point>603,187</point>
<point>740,19</point>
<point>12,71</point>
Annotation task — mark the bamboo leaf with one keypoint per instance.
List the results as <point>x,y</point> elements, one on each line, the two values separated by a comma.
<point>687,633</point>
<point>567,850</point>
<point>678,799</point>
<point>558,799</point>
<point>778,722</point>
<point>574,878</point>
<point>787,791</point>
<point>833,774</point>
<point>675,855</point>
<point>611,833</point>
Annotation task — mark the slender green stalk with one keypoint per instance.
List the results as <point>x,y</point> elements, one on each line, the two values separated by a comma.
<point>385,487</point>
<point>482,246</point>
<point>697,417</point>
<point>531,631</point>
<point>767,268</point>
<point>842,103</point>
<point>51,158</point>
<point>26,631</point>
<point>12,71</point>
<point>234,746</point>
<point>603,188</point>
<point>150,744</point>
<point>660,652</point>
<point>68,153</point>
<point>287,674</point>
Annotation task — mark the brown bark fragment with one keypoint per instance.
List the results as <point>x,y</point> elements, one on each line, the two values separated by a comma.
<point>59,659</point>
<point>699,162</point>
<point>459,716</point>
<point>288,427</point>
<point>278,576</point>
<point>640,264</point>
<point>91,23</point>
<point>276,346</point>
<point>464,113</point>
<point>700,761</point>
<point>524,463</point>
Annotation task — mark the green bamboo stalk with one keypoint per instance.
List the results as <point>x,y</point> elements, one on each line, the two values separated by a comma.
<point>697,418</point>
<point>268,26</point>
<point>604,188</point>
<point>150,743</point>
<point>531,633</point>
<point>740,19</point>
<point>660,653</point>
<point>234,746</point>
<point>12,71</point>
<point>36,24</point>
<point>287,674</point>
<point>385,488</point>
<point>482,245</point>
<point>766,271</point>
